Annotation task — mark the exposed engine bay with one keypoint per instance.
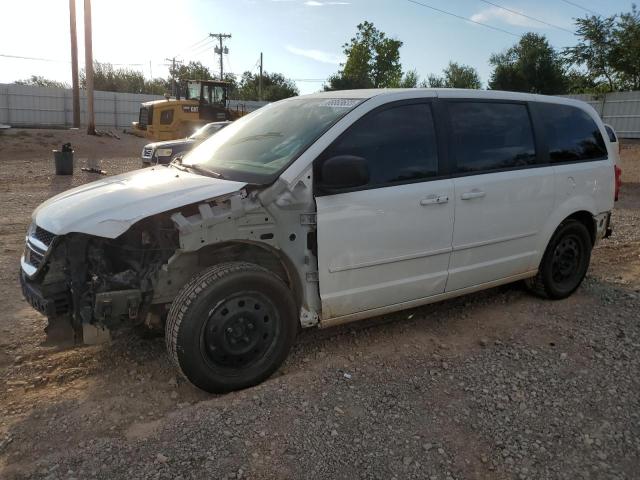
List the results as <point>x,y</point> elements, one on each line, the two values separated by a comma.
<point>97,281</point>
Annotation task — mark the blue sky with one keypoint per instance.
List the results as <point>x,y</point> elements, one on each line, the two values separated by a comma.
<point>301,38</point>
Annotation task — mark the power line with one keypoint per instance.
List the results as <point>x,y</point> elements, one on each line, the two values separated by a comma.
<point>19,57</point>
<point>230,69</point>
<point>40,59</point>
<point>527,16</point>
<point>497,29</point>
<point>198,42</point>
<point>203,48</point>
<point>581,7</point>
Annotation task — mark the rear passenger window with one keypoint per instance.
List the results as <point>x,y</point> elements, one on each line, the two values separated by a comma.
<point>571,133</point>
<point>491,136</point>
<point>399,144</point>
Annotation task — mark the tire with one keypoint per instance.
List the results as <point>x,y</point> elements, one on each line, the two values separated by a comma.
<point>231,327</point>
<point>565,262</point>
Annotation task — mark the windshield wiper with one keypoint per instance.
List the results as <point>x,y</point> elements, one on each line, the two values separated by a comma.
<point>204,171</point>
<point>177,163</point>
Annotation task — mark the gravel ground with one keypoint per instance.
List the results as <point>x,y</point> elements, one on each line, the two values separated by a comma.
<point>498,384</point>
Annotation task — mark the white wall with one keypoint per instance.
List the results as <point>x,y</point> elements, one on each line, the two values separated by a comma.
<point>27,106</point>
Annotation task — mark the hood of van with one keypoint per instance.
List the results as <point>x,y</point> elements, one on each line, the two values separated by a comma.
<point>108,207</point>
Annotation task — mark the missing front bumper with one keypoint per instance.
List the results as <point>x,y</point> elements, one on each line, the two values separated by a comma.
<point>53,300</point>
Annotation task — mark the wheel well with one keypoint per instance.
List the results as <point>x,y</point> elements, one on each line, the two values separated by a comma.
<point>587,220</point>
<point>258,253</point>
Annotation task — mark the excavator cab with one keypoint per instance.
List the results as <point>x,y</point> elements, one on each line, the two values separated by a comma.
<point>212,98</point>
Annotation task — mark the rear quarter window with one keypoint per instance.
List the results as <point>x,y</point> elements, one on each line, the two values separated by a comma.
<point>571,134</point>
<point>611,133</point>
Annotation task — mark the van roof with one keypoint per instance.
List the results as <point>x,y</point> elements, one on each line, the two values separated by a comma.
<point>446,93</point>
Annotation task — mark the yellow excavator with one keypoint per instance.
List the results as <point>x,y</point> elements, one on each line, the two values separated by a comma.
<point>204,101</point>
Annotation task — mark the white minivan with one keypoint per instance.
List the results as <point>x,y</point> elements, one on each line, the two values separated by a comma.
<point>325,209</point>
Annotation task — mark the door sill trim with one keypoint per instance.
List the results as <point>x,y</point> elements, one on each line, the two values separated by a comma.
<point>352,317</point>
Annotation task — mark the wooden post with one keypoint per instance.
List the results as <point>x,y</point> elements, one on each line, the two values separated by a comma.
<point>74,64</point>
<point>88,66</point>
<point>260,80</point>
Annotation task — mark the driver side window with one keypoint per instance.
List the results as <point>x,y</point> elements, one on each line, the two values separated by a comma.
<point>398,144</point>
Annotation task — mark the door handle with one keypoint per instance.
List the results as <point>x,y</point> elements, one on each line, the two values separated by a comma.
<point>472,194</point>
<point>434,200</point>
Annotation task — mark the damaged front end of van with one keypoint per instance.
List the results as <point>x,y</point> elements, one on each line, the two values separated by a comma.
<point>116,252</point>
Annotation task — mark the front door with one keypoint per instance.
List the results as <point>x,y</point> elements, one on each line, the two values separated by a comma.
<point>388,242</point>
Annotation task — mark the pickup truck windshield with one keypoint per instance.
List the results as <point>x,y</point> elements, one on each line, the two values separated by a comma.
<point>257,147</point>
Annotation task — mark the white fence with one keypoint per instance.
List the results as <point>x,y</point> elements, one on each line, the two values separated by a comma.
<point>27,106</point>
<point>621,110</point>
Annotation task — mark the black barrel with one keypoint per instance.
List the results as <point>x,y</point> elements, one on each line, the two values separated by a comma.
<point>64,160</point>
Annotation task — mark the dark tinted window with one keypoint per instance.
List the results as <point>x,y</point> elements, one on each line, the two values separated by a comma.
<point>490,136</point>
<point>166,117</point>
<point>399,144</point>
<point>611,133</point>
<point>571,133</point>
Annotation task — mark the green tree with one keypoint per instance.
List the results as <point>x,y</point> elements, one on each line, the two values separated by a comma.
<point>581,82</point>
<point>531,65</point>
<point>373,61</point>
<point>455,75</point>
<point>595,49</point>
<point>191,71</point>
<point>625,53</point>
<point>433,81</point>
<point>39,81</point>
<point>410,79</point>
<point>275,86</point>
<point>110,79</point>
<point>157,86</point>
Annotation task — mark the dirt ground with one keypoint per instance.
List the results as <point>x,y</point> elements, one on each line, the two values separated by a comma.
<point>499,384</point>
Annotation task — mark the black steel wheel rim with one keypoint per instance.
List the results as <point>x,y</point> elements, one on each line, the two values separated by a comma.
<point>567,258</point>
<point>240,330</point>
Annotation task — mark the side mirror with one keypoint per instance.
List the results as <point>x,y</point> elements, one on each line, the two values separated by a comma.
<point>344,171</point>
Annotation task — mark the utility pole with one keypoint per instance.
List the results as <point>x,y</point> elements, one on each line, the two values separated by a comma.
<point>88,66</point>
<point>260,80</point>
<point>173,76</point>
<point>74,64</point>
<point>220,50</point>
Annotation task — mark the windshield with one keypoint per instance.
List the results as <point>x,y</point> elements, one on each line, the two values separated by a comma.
<point>259,146</point>
<point>193,90</point>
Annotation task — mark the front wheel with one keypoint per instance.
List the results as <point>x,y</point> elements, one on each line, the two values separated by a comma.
<point>565,262</point>
<point>231,327</point>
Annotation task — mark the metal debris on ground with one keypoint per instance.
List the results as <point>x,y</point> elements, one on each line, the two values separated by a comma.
<point>103,133</point>
<point>94,170</point>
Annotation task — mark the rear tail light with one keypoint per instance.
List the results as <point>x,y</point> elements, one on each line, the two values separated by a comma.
<point>618,174</point>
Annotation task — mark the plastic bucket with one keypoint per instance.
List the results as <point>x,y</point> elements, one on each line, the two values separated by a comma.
<point>63,162</point>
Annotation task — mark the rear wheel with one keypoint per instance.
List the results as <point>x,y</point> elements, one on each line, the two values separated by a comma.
<point>565,262</point>
<point>231,326</point>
